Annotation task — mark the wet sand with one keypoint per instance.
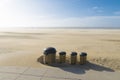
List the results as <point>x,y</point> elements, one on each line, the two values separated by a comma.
<point>23,47</point>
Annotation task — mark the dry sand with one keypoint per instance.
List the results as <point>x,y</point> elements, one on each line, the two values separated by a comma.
<point>23,47</point>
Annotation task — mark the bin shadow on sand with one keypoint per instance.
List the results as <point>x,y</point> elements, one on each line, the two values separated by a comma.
<point>77,68</point>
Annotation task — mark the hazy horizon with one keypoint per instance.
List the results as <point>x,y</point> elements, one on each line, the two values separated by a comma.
<point>60,28</point>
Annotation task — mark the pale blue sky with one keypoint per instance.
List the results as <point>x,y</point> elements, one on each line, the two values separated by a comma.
<point>59,13</point>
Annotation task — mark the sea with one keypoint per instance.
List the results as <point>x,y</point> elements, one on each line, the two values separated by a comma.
<point>27,28</point>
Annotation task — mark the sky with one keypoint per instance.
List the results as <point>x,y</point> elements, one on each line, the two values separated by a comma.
<point>59,13</point>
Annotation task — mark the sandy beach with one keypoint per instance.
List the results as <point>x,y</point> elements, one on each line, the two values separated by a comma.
<point>22,47</point>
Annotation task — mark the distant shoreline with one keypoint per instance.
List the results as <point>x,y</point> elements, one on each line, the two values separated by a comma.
<point>71,27</point>
<point>60,28</point>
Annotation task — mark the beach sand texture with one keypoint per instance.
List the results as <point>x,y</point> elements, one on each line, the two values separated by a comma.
<point>23,47</point>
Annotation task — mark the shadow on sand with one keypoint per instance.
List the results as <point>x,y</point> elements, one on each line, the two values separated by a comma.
<point>77,68</point>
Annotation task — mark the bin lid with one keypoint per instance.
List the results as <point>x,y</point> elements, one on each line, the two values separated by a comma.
<point>73,53</point>
<point>49,50</point>
<point>62,53</point>
<point>83,54</point>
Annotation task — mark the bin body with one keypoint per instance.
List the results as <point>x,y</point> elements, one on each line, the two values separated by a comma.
<point>83,58</point>
<point>49,55</point>
<point>45,59</point>
<point>73,59</point>
<point>62,57</point>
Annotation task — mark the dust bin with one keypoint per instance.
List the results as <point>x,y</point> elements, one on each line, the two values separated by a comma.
<point>73,58</point>
<point>83,57</point>
<point>49,55</point>
<point>62,57</point>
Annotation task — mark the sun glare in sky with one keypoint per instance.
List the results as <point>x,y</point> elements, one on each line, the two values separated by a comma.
<point>59,13</point>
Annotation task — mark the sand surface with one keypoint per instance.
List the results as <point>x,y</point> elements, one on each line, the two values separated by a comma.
<point>22,47</point>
